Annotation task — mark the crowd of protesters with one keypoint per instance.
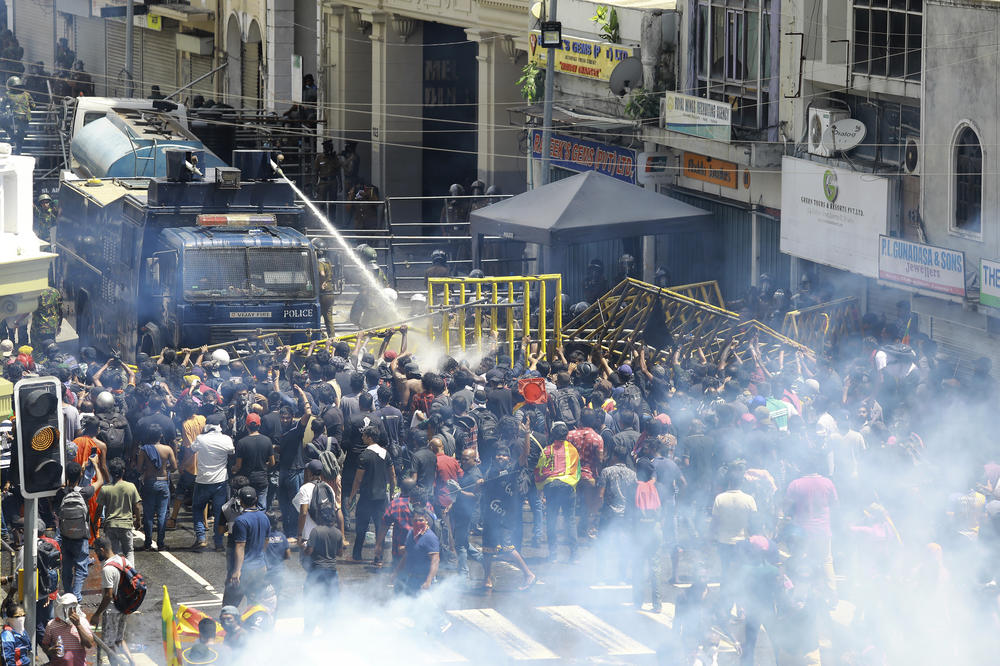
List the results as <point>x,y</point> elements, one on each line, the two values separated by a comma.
<point>791,480</point>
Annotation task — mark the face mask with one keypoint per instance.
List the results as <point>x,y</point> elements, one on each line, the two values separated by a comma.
<point>16,623</point>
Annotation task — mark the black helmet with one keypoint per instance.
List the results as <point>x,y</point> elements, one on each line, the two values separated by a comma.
<point>579,308</point>
<point>493,190</point>
<point>456,190</point>
<point>596,263</point>
<point>476,273</point>
<point>587,369</point>
<point>439,257</point>
<point>478,187</point>
<point>319,244</point>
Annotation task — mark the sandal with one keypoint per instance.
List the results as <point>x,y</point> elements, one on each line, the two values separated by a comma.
<point>171,523</point>
<point>529,582</point>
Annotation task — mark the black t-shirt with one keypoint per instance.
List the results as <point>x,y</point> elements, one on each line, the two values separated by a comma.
<point>465,505</point>
<point>326,543</point>
<point>425,465</point>
<point>333,418</point>
<point>166,426</point>
<point>254,451</point>
<point>376,468</point>
<point>352,436</point>
<point>270,425</point>
<point>499,401</point>
<point>290,448</point>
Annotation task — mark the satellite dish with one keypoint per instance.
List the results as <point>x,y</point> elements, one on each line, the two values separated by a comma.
<point>626,75</point>
<point>844,134</point>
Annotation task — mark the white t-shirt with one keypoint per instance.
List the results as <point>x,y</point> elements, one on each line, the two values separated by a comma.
<point>110,575</point>
<point>213,449</point>
<point>304,496</point>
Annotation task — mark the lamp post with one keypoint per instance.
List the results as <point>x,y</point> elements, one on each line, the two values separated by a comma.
<point>551,39</point>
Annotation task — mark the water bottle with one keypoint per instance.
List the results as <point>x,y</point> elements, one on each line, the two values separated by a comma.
<point>60,650</point>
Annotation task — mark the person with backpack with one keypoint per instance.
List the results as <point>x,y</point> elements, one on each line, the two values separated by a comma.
<point>556,475</point>
<point>375,473</point>
<point>322,586</point>
<point>566,402</point>
<point>113,428</point>
<point>246,564</point>
<point>15,644</point>
<point>74,526</point>
<point>316,501</point>
<point>122,506</point>
<point>48,561</point>
<point>122,592</point>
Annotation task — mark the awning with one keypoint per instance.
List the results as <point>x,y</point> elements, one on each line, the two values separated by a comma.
<point>564,117</point>
<point>666,5</point>
<point>181,13</point>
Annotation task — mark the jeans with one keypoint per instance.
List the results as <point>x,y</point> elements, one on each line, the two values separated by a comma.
<point>252,579</point>
<point>537,513</point>
<point>217,494</point>
<point>289,482</point>
<point>368,510</point>
<point>461,524</point>
<point>75,562</point>
<point>560,498</point>
<point>121,542</point>
<point>155,500</point>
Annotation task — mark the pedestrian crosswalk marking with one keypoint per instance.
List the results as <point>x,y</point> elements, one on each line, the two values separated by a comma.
<point>596,629</point>
<point>142,659</point>
<point>516,643</point>
<point>664,617</point>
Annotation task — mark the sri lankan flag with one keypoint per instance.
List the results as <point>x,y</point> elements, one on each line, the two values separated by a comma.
<point>171,642</point>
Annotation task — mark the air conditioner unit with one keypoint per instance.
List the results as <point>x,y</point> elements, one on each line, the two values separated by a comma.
<point>911,156</point>
<point>820,120</point>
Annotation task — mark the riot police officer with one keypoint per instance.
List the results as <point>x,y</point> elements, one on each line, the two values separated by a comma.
<point>369,291</point>
<point>45,217</point>
<point>627,268</point>
<point>327,168</point>
<point>82,83</point>
<point>327,283</point>
<point>438,267</point>
<point>595,285</point>
<point>16,115</point>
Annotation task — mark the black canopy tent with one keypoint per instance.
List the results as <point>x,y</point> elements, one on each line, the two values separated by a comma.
<point>583,208</point>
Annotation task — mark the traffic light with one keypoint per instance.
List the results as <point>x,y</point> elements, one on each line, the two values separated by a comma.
<point>40,453</point>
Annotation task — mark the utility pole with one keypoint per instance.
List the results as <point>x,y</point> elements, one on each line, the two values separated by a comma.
<point>30,569</point>
<point>129,29</point>
<point>550,76</point>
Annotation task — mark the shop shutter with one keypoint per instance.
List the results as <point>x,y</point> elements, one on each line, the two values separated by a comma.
<point>199,66</point>
<point>33,29</point>
<point>251,95</point>
<point>159,61</point>
<point>88,41</point>
<point>772,261</point>
<point>114,40</point>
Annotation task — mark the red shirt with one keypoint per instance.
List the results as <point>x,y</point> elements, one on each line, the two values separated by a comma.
<point>590,446</point>
<point>811,498</point>
<point>448,469</point>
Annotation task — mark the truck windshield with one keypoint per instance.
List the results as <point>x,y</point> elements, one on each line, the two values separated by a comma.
<point>257,272</point>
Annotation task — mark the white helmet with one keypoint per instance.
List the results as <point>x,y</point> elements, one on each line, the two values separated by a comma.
<point>390,294</point>
<point>221,356</point>
<point>104,401</point>
<point>418,298</point>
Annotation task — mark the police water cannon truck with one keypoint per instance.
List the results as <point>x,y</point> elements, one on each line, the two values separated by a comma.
<point>171,247</point>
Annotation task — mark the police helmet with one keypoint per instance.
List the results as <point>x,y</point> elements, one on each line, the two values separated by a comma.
<point>478,187</point>
<point>44,197</point>
<point>476,273</point>
<point>319,244</point>
<point>418,298</point>
<point>456,190</point>
<point>493,190</point>
<point>439,257</point>
<point>390,294</point>
<point>579,308</point>
<point>104,402</point>
<point>221,356</point>
<point>14,82</point>
<point>368,252</point>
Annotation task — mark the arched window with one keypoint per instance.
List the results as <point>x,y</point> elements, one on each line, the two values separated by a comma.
<point>968,182</point>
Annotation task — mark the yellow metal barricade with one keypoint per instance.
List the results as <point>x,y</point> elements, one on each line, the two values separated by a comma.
<point>706,292</point>
<point>824,323</point>
<point>508,309</point>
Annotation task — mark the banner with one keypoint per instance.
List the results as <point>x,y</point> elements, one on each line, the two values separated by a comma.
<point>989,283</point>
<point>709,170</point>
<point>580,57</point>
<point>582,155</point>
<point>697,116</point>
<point>925,267</point>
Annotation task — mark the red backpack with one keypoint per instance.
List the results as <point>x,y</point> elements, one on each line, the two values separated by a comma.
<point>131,588</point>
<point>647,499</point>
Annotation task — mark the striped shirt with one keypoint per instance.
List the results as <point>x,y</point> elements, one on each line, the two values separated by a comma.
<point>74,654</point>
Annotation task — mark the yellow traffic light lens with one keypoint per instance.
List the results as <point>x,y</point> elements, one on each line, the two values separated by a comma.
<point>44,438</point>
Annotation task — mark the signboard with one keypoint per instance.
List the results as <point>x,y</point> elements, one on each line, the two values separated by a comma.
<point>654,168</point>
<point>149,21</point>
<point>582,155</point>
<point>926,267</point>
<point>989,283</point>
<point>697,116</point>
<point>709,170</point>
<point>833,216</point>
<point>580,57</point>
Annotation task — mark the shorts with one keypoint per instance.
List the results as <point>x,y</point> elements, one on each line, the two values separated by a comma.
<point>185,486</point>
<point>113,626</point>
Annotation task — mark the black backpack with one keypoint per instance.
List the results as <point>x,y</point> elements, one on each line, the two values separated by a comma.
<point>566,406</point>
<point>326,456</point>
<point>323,505</point>
<point>49,562</point>
<point>487,424</point>
<point>465,432</point>
<point>112,432</point>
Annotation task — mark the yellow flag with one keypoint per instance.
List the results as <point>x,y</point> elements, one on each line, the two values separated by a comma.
<point>171,643</point>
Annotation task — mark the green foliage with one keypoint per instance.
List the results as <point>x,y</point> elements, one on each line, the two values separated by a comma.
<point>532,82</point>
<point>642,105</point>
<point>607,18</point>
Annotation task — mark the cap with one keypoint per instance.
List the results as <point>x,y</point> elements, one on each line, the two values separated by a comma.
<point>253,419</point>
<point>246,494</point>
<point>6,349</point>
<point>624,369</point>
<point>390,356</point>
<point>314,467</point>
<point>215,419</point>
<point>229,610</point>
<point>495,375</point>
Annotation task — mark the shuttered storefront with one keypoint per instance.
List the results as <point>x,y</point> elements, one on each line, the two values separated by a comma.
<point>159,60</point>
<point>114,42</point>
<point>88,40</point>
<point>34,31</point>
<point>251,76</point>
<point>772,260</point>
<point>729,262</point>
<point>196,66</point>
